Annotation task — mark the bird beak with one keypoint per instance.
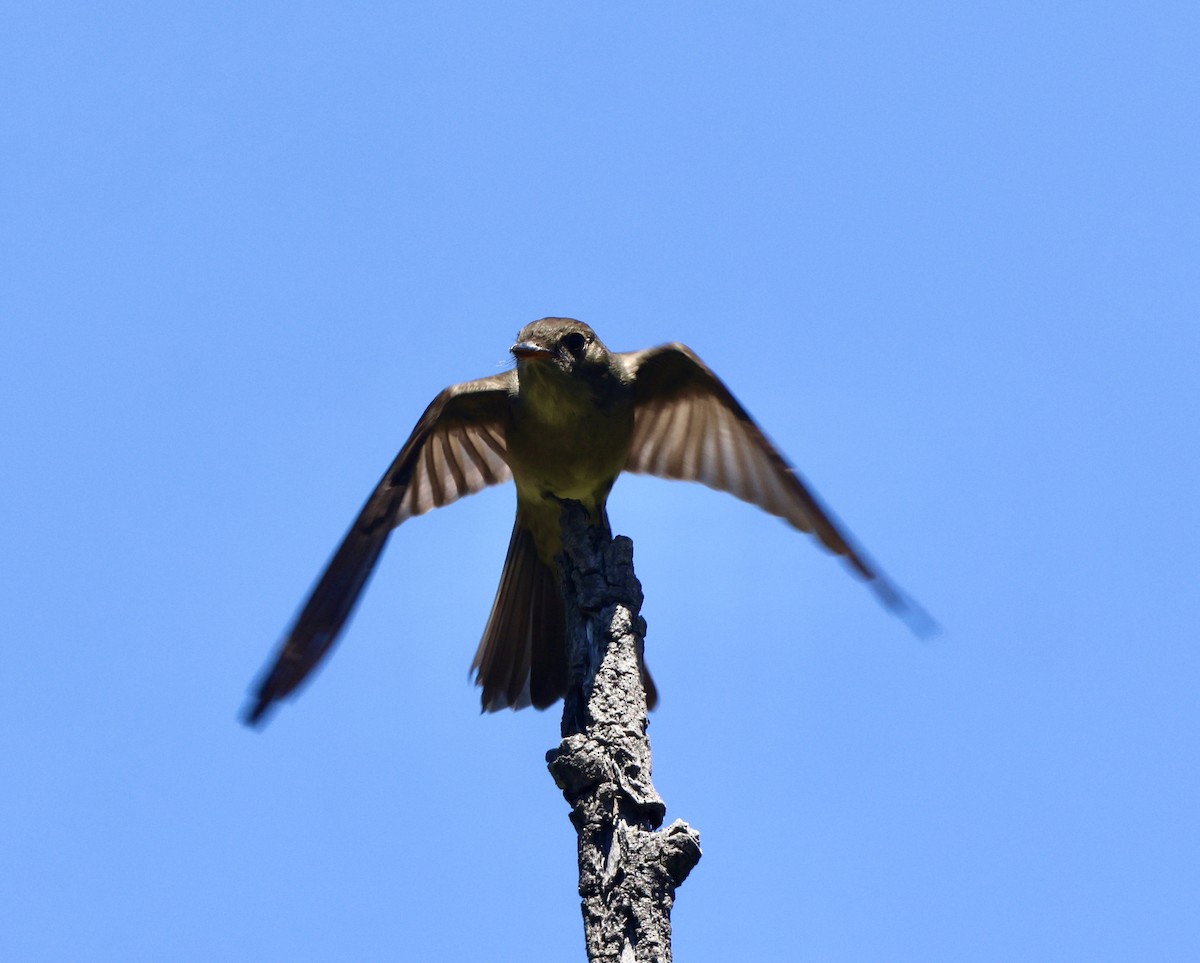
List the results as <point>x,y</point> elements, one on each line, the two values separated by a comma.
<point>528,351</point>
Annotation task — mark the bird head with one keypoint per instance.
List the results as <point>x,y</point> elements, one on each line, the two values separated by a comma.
<point>563,344</point>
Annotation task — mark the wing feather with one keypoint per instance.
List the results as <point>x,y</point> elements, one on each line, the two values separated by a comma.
<point>457,448</point>
<point>689,426</point>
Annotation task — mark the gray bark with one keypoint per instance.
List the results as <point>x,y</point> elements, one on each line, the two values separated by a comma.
<point>628,871</point>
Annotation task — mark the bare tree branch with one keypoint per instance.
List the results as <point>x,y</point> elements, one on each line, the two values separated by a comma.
<point>628,868</point>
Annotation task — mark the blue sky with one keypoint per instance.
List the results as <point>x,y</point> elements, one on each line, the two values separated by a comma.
<point>946,253</point>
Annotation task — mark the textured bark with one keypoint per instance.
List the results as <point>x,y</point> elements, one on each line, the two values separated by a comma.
<point>628,872</point>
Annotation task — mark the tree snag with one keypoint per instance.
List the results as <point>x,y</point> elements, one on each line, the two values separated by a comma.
<point>628,868</point>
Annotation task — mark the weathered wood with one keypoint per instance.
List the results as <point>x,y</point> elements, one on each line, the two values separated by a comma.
<point>628,868</point>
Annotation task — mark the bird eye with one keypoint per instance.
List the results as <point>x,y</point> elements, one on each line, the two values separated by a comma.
<point>574,342</point>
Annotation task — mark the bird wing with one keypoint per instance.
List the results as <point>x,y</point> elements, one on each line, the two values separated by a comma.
<point>688,425</point>
<point>457,448</point>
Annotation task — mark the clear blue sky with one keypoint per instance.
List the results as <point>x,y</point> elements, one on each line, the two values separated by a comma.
<point>947,253</point>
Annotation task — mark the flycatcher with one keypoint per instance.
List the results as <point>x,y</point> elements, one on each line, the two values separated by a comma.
<point>563,425</point>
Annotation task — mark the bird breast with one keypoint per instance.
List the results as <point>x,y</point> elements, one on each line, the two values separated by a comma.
<point>565,442</point>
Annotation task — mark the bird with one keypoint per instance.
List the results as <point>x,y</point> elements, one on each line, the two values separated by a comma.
<point>562,424</point>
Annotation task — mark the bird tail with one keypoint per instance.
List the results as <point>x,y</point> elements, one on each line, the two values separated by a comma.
<point>522,657</point>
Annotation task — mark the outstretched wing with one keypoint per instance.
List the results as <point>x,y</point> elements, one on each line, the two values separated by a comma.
<point>688,425</point>
<point>456,449</point>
